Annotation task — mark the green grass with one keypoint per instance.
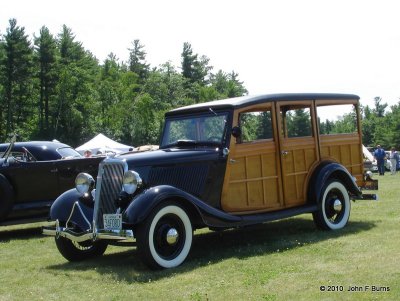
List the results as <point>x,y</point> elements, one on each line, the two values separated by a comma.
<point>283,260</point>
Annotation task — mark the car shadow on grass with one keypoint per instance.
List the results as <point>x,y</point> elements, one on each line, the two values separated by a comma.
<point>213,247</point>
<point>7,234</point>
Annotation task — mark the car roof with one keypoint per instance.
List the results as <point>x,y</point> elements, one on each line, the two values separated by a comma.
<point>42,150</point>
<point>41,144</point>
<point>243,101</point>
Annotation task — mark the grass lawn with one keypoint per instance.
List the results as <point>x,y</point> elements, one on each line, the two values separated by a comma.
<point>283,260</point>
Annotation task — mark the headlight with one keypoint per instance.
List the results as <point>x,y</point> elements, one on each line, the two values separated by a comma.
<point>84,182</point>
<point>368,175</point>
<point>131,182</point>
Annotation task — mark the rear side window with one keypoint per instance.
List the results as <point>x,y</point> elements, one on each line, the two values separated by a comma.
<point>337,119</point>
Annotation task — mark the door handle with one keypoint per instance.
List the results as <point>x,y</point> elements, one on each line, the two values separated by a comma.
<point>232,161</point>
<point>284,153</point>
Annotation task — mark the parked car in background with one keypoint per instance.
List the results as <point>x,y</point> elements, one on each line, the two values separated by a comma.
<point>222,164</point>
<point>33,174</point>
<point>368,165</point>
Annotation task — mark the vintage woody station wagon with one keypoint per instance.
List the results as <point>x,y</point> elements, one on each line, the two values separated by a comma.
<point>222,164</point>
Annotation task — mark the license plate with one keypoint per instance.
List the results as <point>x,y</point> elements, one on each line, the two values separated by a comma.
<point>112,221</point>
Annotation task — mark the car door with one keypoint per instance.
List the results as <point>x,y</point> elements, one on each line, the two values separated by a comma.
<point>252,180</point>
<point>34,181</point>
<point>298,147</point>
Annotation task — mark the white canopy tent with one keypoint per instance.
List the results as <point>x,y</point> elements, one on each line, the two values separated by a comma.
<point>103,144</point>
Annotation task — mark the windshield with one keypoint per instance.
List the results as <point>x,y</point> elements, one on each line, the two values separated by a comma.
<point>204,129</point>
<point>68,152</point>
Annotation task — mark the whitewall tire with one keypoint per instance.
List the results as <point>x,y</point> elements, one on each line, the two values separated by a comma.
<point>165,238</point>
<point>334,207</point>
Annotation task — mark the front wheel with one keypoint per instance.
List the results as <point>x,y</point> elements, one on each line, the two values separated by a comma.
<point>164,239</point>
<point>334,207</point>
<point>74,251</point>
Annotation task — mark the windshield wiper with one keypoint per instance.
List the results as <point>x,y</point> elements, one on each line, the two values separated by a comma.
<point>182,143</point>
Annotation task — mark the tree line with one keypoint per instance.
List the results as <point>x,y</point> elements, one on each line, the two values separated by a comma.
<point>54,88</point>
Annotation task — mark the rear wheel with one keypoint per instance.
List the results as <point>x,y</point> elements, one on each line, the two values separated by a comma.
<point>334,207</point>
<point>165,238</point>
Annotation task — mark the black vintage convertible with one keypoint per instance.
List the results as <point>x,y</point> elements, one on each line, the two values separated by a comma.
<point>33,174</point>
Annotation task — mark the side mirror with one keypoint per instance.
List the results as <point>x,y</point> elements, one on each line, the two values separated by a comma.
<point>236,132</point>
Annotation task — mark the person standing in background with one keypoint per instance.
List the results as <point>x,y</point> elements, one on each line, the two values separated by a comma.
<point>394,157</point>
<point>380,156</point>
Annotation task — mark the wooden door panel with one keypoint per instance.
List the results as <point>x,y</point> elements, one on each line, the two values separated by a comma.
<point>253,182</point>
<point>297,164</point>
<point>298,150</point>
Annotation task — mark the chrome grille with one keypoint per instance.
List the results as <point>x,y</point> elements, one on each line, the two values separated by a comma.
<point>108,187</point>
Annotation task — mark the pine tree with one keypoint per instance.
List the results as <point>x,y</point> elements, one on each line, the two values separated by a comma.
<point>195,70</point>
<point>46,57</point>
<point>17,80</point>
<point>2,92</point>
<point>137,60</point>
<point>77,95</point>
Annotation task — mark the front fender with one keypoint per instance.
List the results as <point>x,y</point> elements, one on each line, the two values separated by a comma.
<point>6,198</point>
<point>144,203</point>
<point>331,170</point>
<point>62,207</point>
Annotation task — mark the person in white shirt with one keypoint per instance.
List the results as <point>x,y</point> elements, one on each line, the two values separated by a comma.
<point>394,157</point>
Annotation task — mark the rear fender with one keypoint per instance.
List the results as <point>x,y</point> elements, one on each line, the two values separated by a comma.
<point>62,208</point>
<point>144,203</point>
<point>327,171</point>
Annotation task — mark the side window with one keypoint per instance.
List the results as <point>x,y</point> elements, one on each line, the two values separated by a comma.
<point>256,125</point>
<point>296,121</point>
<point>337,119</point>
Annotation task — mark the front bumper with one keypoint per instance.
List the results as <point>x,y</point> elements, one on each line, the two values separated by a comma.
<point>91,234</point>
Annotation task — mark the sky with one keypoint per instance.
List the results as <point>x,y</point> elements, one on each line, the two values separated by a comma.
<point>276,46</point>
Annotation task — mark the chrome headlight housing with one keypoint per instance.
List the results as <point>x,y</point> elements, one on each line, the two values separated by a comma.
<point>131,181</point>
<point>84,182</point>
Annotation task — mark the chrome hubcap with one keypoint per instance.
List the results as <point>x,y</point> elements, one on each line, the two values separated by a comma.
<point>172,236</point>
<point>337,206</point>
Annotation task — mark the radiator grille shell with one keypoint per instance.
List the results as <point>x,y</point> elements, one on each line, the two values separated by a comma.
<point>108,188</point>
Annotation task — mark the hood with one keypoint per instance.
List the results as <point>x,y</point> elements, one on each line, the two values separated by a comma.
<point>169,156</point>
<point>171,163</point>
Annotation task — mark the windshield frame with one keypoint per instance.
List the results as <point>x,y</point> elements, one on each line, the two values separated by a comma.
<point>211,113</point>
<point>67,152</point>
